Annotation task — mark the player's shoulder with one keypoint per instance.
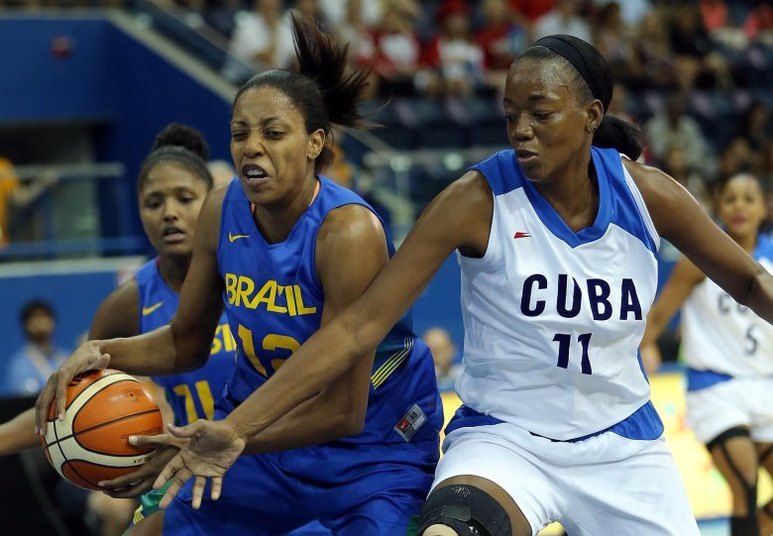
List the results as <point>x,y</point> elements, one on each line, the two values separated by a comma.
<point>350,222</point>
<point>118,314</point>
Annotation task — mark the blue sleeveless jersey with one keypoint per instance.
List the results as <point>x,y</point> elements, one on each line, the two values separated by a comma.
<point>274,302</point>
<point>191,394</point>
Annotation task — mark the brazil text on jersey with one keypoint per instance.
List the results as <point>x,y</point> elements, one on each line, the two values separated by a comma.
<point>285,299</point>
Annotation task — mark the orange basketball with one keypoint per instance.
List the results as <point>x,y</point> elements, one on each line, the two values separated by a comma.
<point>103,409</point>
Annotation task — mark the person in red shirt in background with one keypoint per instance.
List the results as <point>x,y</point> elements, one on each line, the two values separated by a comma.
<point>453,51</point>
<point>502,36</point>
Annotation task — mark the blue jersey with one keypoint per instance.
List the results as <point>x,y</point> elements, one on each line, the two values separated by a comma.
<point>274,302</point>
<point>191,394</point>
<point>371,483</point>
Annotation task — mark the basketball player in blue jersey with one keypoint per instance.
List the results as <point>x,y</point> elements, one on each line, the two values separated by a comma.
<point>171,188</point>
<point>729,354</point>
<point>287,249</point>
<point>173,183</point>
<point>556,239</point>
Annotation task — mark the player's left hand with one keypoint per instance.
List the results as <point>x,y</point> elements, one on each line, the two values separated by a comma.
<point>140,481</point>
<point>213,447</point>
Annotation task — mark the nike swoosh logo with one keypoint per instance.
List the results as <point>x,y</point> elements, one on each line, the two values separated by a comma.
<point>147,310</point>
<point>235,237</point>
<point>521,234</point>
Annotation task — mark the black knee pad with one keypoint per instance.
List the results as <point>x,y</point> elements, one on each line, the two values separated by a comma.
<point>466,509</point>
<point>720,440</point>
<point>744,526</point>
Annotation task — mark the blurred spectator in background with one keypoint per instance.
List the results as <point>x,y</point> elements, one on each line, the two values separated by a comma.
<point>531,10</point>
<point>398,53</point>
<point>564,18</point>
<point>501,37</point>
<point>675,164</point>
<point>261,40</point>
<point>611,37</point>
<point>672,127</point>
<point>362,49</point>
<point>444,354</point>
<point>9,183</point>
<point>29,368</point>
<point>759,23</point>
<point>620,104</point>
<point>631,11</point>
<point>16,195</point>
<point>698,64</point>
<point>454,53</point>
<point>221,15</point>
<point>756,126</point>
<point>652,65</point>
<point>336,12</point>
<point>736,157</point>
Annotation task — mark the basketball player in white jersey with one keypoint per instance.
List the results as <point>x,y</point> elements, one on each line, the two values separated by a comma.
<point>556,239</point>
<point>729,354</point>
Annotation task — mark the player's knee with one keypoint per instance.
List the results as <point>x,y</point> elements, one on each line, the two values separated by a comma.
<point>439,530</point>
<point>462,510</point>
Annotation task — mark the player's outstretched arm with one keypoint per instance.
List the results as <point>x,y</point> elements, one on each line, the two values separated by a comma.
<point>182,345</point>
<point>458,218</point>
<point>680,284</point>
<point>18,433</point>
<point>683,222</point>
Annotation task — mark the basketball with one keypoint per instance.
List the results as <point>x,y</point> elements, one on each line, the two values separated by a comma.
<point>103,409</point>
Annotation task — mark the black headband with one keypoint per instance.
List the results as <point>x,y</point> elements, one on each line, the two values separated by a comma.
<point>573,55</point>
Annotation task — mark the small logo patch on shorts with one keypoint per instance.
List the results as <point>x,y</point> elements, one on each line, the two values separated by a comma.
<point>411,422</point>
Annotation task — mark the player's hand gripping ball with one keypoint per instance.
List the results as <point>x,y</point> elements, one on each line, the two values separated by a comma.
<point>91,444</point>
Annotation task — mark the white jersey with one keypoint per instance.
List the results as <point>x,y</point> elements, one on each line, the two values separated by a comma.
<point>553,318</point>
<point>720,335</point>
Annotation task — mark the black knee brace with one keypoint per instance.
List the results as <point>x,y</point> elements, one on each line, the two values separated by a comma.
<point>466,509</point>
<point>746,525</point>
<point>764,455</point>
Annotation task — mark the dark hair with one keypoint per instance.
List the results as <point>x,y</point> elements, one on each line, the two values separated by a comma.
<point>721,183</point>
<point>325,90</point>
<point>35,306</point>
<point>592,80</point>
<point>180,135</point>
<point>182,145</point>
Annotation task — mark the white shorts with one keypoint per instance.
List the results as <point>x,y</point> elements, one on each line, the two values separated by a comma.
<point>725,405</point>
<point>603,485</point>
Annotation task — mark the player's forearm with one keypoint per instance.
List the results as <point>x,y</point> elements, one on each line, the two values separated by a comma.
<point>150,354</point>
<point>760,294</point>
<point>311,423</point>
<point>656,322</point>
<point>19,433</point>
<point>319,361</point>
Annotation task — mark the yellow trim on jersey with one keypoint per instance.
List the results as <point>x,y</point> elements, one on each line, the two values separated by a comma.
<point>391,364</point>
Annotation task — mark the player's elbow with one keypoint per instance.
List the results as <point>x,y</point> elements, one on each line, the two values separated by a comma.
<point>352,424</point>
<point>347,422</point>
<point>191,349</point>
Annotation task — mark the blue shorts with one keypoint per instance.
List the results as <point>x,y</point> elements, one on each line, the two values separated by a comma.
<point>352,489</point>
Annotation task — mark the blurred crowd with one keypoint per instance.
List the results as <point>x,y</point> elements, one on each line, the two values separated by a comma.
<point>695,74</point>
